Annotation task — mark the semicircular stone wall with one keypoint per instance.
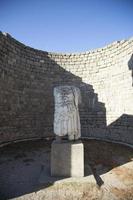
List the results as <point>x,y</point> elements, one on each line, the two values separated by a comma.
<point>28,76</point>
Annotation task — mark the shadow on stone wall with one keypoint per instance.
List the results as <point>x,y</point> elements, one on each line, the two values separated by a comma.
<point>124,120</point>
<point>27,79</point>
<point>121,127</point>
<point>27,103</point>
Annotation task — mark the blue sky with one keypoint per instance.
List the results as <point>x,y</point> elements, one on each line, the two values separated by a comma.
<point>67,25</point>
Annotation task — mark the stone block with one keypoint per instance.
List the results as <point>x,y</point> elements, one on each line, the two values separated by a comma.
<point>67,159</point>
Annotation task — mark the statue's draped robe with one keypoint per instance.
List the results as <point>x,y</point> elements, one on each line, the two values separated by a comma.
<point>66,115</point>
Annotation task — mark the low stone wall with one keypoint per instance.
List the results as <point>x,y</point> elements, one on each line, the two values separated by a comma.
<point>28,76</point>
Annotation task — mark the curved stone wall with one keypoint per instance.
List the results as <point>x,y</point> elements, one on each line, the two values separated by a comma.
<point>27,78</point>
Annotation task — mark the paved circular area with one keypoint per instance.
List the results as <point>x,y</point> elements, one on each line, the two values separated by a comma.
<point>25,173</point>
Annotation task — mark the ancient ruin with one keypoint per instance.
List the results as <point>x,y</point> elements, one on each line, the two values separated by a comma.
<point>28,77</point>
<point>29,122</point>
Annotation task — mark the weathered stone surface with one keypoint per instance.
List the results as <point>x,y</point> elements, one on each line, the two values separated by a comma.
<point>28,76</point>
<point>66,116</point>
<point>67,159</point>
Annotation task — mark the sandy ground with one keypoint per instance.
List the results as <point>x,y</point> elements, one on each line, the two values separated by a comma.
<point>25,173</point>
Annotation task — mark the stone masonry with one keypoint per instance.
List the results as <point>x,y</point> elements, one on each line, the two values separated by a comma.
<point>28,76</point>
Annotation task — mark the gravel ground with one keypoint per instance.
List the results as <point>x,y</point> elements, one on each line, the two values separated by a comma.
<point>25,173</point>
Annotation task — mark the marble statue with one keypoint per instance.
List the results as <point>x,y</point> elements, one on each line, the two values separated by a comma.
<point>66,115</point>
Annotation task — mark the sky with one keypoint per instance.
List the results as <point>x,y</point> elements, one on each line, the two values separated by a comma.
<point>67,25</point>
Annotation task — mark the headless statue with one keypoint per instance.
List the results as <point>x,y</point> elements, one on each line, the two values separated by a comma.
<point>66,115</point>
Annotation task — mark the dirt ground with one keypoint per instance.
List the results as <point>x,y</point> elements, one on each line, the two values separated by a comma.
<point>25,173</point>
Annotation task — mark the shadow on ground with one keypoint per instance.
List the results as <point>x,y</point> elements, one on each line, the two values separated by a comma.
<point>25,166</point>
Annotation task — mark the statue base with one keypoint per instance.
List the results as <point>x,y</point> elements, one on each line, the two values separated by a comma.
<point>67,159</point>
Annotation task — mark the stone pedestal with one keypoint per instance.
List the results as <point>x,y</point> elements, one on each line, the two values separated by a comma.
<point>67,159</point>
